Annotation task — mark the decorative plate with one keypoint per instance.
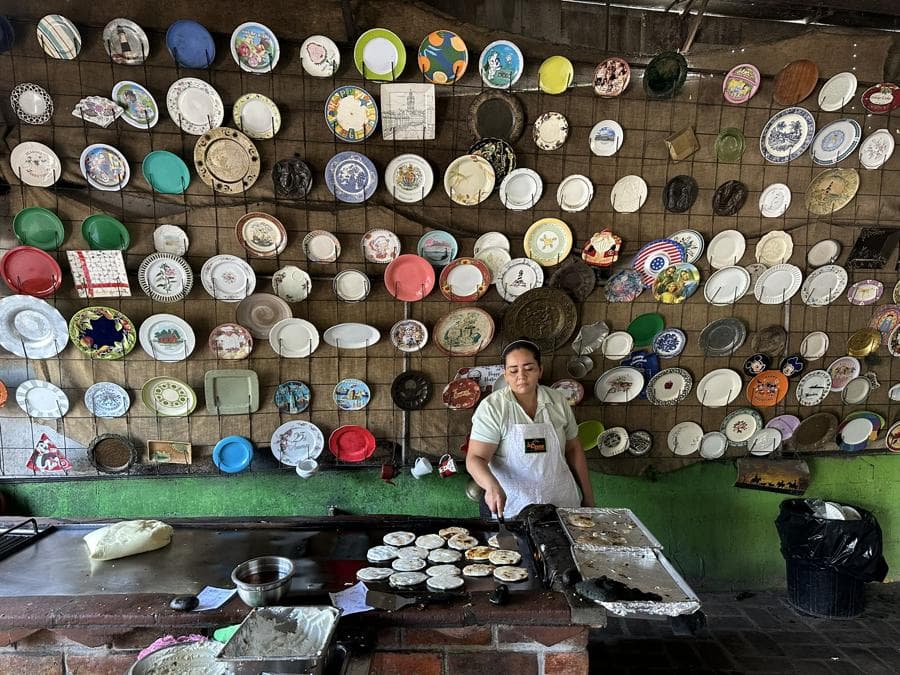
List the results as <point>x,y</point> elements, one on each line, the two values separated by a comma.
<point>726,249</point>
<point>351,177</point>
<point>770,340</point>
<point>628,194</point>
<point>548,241</point>
<point>786,424</point>
<point>740,426</point>
<point>573,390</point>
<point>611,442</point>
<point>665,75</point>
<point>546,316</point>
<point>351,394</point>
<point>379,55</point>
<point>876,149</point>
<point>823,252</point>
<point>380,246</point>
<point>865,292</point>
<point>102,333</point>
<point>30,271</point>
<point>669,387</point>
<point>496,259</point>
<point>259,312</point>
<point>499,153</point>
<point>256,115</point>
<point>684,438</point>
<point>680,193</point>
<point>655,257</point>
<point>194,106</point>
<point>170,239</point>
<point>602,249</point>
<point>464,332</point>
<point>39,227</point>
<point>576,278</point>
<point>842,370</point>
<point>496,114</point>
<point>31,103</point>
<point>676,283</point>
<point>824,285</point>
<point>166,337</point>
<point>831,191</point>
<point>166,172</point>
<point>713,445</point>
<point>99,274</point>
<point>107,399</point>
<point>730,145</point>
<point>814,345</point>
<point>501,64</point>
<point>521,189</point>
<point>741,83</point>
<point>58,37</point>
<point>835,142</point>
<point>774,200</point>
<point>765,442</point>
<point>767,389</point>
<point>261,234</point>
<point>795,81</point>
<point>550,131</point>
<point>351,113</point>
<point>41,399</point>
<point>35,164</point>
<point>169,397</point>
<point>409,277</point>
<point>139,107</point>
<point>813,387</point>
<point>640,443</point>
<point>320,56</point>
<point>756,364</point>
<point>465,280</point>
<point>255,48</point>
<point>351,336</point>
<point>518,276</point>
<point>461,394</point>
<point>692,242</point>
<point>605,138</point>
<point>233,454</point>
<point>438,247</point>
<point>787,135</point>
<point>125,42</point>
<point>228,278</point>
<point>792,366</point>
<point>881,98</point>
<point>443,57</point>
<point>31,328</point>
<point>575,193</point>
<point>226,160</point>
<point>320,246</point>
<point>778,284</point>
<point>409,178</point>
<point>718,388</point>
<point>863,342</point>
<point>165,277</point>
<point>190,44</point>
<point>292,178</point>
<point>774,248</point>
<point>726,286</point>
<point>856,391</point>
<point>292,397</point>
<point>885,320</point>
<point>411,390</point>
<point>104,167</point>
<point>351,443</point>
<point>611,77</point>
<point>555,75</point>
<point>617,345</point>
<point>291,283</point>
<point>409,335</point>
<point>294,338</point>
<point>295,441</point>
<point>624,286</point>
<point>469,180</point>
<point>230,341</point>
<point>351,286</point>
<point>619,385</point>
<point>837,92</point>
<point>669,343</point>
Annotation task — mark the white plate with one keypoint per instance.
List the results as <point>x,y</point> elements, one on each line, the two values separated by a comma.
<point>518,276</point>
<point>321,247</point>
<point>606,138</point>
<point>836,142</point>
<point>469,180</point>
<point>628,194</point>
<point>774,248</point>
<point>823,253</point>
<point>854,432</point>
<point>669,386</point>
<point>550,131</point>
<point>726,286</point>
<point>726,249</point>
<point>351,336</point>
<point>814,345</point>
<point>719,388</point>
<point>107,399</point>
<point>713,445</point>
<point>617,345</point>
<point>521,189</point>
<point>842,370</point>
<point>490,240</point>
<point>575,193</point>
<point>876,149</point>
<point>824,285</point>
<point>765,442</point>
<point>297,440</point>
<point>351,286</point>
<point>170,239</point>
<point>894,393</point>
<point>692,242</point>
<point>813,387</point>
<point>35,164</point>
<point>32,328</point>
<point>613,441</point>
<point>684,438</point>
<point>837,92</point>
<point>165,277</point>
<point>38,398</point>
<point>294,338</point>
<point>778,284</point>
<point>409,178</point>
<point>495,258</point>
<point>228,278</point>
<point>194,106</point>
<point>320,56</point>
<point>741,425</point>
<point>857,390</point>
<point>380,246</point>
<point>166,337</point>
<point>774,200</point>
<point>291,284</point>
<point>257,116</point>
<point>619,385</point>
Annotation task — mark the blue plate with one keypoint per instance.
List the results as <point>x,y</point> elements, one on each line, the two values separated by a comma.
<point>233,454</point>
<point>190,44</point>
<point>438,247</point>
<point>352,394</point>
<point>351,177</point>
<point>669,343</point>
<point>292,397</point>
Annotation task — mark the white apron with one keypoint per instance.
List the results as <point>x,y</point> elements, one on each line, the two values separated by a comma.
<point>537,474</point>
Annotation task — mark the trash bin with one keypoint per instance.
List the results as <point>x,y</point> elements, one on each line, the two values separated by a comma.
<point>828,560</point>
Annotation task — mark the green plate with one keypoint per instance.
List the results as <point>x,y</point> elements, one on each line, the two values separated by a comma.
<point>102,232</point>
<point>39,227</point>
<point>588,431</point>
<point>730,145</point>
<point>644,328</point>
<point>665,75</point>
<point>380,66</point>
<point>166,172</point>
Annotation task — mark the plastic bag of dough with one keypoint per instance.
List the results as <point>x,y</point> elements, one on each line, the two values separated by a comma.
<point>129,537</point>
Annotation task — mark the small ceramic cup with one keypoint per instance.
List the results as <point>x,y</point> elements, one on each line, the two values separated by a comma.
<point>307,468</point>
<point>422,467</point>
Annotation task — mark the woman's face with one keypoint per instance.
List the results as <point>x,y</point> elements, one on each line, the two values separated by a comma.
<point>521,371</point>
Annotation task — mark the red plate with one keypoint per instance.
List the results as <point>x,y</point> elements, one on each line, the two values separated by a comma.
<point>351,443</point>
<point>462,394</point>
<point>30,271</point>
<point>409,277</point>
<point>882,98</point>
<point>468,274</point>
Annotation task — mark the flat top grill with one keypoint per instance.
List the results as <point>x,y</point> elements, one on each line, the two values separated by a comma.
<point>19,536</point>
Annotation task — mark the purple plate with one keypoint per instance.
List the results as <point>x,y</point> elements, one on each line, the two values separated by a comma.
<point>786,424</point>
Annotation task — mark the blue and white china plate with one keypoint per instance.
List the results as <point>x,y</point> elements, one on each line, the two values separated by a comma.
<point>351,177</point>
<point>787,135</point>
<point>669,343</point>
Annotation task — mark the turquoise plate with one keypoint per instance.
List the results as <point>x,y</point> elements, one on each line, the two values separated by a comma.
<point>166,172</point>
<point>233,454</point>
<point>438,247</point>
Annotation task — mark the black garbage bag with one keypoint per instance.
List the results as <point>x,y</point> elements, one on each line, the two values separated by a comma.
<point>850,547</point>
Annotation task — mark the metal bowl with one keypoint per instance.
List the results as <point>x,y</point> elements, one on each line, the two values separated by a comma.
<point>263,581</point>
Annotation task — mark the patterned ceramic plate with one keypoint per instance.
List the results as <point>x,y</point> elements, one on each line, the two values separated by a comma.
<point>41,399</point>
<point>624,286</point>
<point>865,292</point>
<point>139,106</point>
<point>692,242</point>
<point>684,438</point>
<point>787,135</point>
<point>297,440</point>
<point>165,277</point>
<point>31,103</point>
<point>469,180</point>
<point>619,385</point>
<point>104,167</point>
<point>228,278</point>
<point>230,341</point>
<point>254,47</point>
<point>409,178</point>
<point>226,160</point>
<point>58,37</point>
<point>169,397</point>
<point>261,234</point>
<point>256,115</point>
<point>126,42</point>
<point>380,246</point>
<point>518,276</point>
<point>813,387</point>
<point>102,332</point>
<point>669,387</point>
<point>409,335</point>
<point>842,370</point>
<point>656,256</point>
<point>669,343</point>
<point>835,142</point>
<point>464,332</point>
<point>676,283</point>
<point>107,399</point>
<point>831,191</point>
<point>291,283</point>
<point>550,131</point>
<point>351,113</point>
<point>501,64</point>
<point>166,337</point>
<point>351,394</point>
<point>741,425</point>
<point>443,57</point>
<point>320,56</point>
<point>35,164</point>
<point>465,280</point>
<point>194,106</point>
<point>292,397</point>
<point>548,241</point>
<point>351,177</point>
<point>824,285</point>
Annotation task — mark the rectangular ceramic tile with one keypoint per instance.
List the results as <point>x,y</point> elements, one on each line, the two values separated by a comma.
<point>99,274</point>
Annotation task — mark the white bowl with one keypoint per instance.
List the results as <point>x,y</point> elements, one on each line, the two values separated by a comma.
<point>307,468</point>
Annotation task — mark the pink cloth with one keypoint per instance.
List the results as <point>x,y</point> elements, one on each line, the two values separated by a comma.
<point>168,641</point>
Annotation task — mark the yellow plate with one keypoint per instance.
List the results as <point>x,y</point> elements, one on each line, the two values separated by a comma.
<point>548,241</point>
<point>555,75</point>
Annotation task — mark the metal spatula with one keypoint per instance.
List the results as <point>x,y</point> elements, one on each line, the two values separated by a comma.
<point>506,539</point>
<point>392,602</point>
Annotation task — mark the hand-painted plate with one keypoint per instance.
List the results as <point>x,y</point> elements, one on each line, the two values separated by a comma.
<point>104,167</point>
<point>409,335</point>
<point>835,142</point>
<point>58,37</point>
<point>548,241</point>
<point>573,390</point>
<point>669,343</point>
<point>461,393</point>
<point>611,77</point>
<point>379,55</point>
<point>107,399</point>
<point>230,341</point>
<point>126,42</point>
<point>165,277</point>
<point>166,337</point>
<point>831,190</point>
<point>320,56</point>
<point>692,242</point>
<point>767,389</point>
<point>102,333</point>
<point>351,394</point>
<point>295,441</point>
<point>876,149</point>
<point>261,234</point>
<point>469,180</point>
<point>351,113</point>
<point>619,385</point>
<point>139,106</point>
<point>443,57</point>
<point>464,332</point>
<point>518,276</point>
<point>501,64</point>
<point>842,370</point>
<point>787,135</point>
<point>292,397</point>
<point>255,48</point>
<point>865,292</point>
<point>676,283</point>
<point>885,319</point>
<point>380,246</point>
<point>740,426</point>
<point>438,247</point>
<point>351,177</point>
<point>813,387</point>
<point>741,83</point>
<point>624,286</point>
<point>169,397</point>
<point>35,164</point>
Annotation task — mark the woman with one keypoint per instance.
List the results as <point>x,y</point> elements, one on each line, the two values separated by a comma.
<point>524,446</point>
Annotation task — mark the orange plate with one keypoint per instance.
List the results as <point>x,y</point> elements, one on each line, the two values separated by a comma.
<point>767,389</point>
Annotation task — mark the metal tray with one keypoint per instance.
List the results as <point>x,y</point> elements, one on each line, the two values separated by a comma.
<point>290,620</point>
<point>614,529</point>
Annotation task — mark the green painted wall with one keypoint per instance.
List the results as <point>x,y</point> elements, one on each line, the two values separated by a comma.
<point>720,537</point>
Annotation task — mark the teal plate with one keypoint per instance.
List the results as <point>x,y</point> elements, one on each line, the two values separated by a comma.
<point>102,232</point>
<point>166,172</point>
<point>39,227</point>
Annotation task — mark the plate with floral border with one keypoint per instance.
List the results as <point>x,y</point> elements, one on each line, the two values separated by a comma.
<point>741,425</point>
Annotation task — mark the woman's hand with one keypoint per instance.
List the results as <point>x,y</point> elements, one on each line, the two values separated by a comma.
<point>495,498</point>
